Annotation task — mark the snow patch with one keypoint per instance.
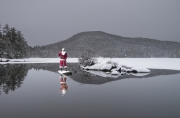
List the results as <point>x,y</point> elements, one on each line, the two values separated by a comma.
<point>106,67</point>
<point>150,63</point>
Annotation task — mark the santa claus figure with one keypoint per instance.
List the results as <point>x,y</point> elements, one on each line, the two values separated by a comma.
<point>63,57</point>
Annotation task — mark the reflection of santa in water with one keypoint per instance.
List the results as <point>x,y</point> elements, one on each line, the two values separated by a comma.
<point>64,86</point>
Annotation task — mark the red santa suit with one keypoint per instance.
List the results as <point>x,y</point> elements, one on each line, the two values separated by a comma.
<point>63,57</point>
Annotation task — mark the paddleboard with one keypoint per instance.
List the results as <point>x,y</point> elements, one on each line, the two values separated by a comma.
<point>64,72</point>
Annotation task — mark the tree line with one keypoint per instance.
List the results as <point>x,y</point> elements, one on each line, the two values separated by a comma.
<point>12,43</point>
<point>102,44</point>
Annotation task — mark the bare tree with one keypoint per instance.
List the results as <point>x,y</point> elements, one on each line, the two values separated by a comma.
<point>87,58</point>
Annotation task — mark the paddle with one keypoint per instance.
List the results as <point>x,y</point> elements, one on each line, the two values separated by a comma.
<point>71,66</point>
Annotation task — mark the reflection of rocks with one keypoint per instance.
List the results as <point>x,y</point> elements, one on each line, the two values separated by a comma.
<point>96,77</point>
<point>89,78</point>
<point>12,76</point>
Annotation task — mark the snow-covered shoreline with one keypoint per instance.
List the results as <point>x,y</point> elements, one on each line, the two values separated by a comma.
<point>150,63</point>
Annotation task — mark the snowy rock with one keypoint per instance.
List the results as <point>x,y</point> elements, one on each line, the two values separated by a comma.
<point>4,60</point>
<point>114,73</point>
<point>140,70</point>
<point>106,67</point>
<point>94,67</point>
<point>101,66</point>
<point>123,69</point>
<point>119,66</point>
<point>114,69</point>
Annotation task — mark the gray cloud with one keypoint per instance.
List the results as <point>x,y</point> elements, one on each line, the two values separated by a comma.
<point>48,21</point>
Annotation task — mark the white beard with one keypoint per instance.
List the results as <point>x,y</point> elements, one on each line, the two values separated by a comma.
<point>63,52</point>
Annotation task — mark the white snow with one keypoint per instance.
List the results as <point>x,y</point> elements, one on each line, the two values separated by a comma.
<point>106,67</point>
<point>102,66</point>
<point>39,60</point>
<point>150,63</point>
<point>114,73</point>
<point>94,67</point>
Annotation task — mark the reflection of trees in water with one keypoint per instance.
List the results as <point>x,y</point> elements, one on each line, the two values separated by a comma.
<point>88,78</point>
<point>12,76</point>
<point>44,66</point>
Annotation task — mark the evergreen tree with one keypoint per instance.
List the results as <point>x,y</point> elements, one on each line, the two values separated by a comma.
<point>0,33</point>
<point>13,44</point>
<point>6,31</point>
<point>1,43</point>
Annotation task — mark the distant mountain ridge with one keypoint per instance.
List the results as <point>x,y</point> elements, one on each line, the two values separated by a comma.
<point>102,44</point>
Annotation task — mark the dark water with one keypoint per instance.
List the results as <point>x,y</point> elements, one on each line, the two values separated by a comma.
<point>34,91</point>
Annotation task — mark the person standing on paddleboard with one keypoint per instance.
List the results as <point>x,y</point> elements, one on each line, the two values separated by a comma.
<point>63,57</point>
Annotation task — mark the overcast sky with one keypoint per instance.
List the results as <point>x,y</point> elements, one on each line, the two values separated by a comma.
<point>44,22</point>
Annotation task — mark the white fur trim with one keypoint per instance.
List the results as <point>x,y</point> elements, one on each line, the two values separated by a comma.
<point>62,82</point>
<point>63,52</point>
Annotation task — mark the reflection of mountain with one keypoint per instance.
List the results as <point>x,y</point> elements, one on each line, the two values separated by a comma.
<point>12,76</point>
<point>88,78</point>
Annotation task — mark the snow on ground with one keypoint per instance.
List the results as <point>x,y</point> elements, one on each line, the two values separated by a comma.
<point>38,60</point>
<point>150,63</point>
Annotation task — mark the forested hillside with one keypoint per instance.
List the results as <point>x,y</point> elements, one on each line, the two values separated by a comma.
<point>102,44</point>
<point>12,43</point>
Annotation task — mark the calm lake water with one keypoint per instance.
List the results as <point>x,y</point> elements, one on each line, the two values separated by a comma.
<point>34,91</point>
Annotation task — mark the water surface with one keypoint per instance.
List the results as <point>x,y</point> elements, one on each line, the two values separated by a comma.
<point>34,90</point>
